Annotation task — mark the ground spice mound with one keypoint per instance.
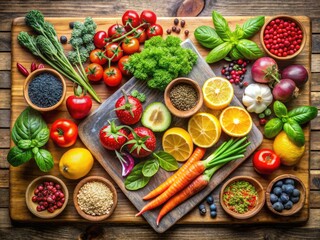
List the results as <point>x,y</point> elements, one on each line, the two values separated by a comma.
<point>183,97</point>
<point>95,198</point>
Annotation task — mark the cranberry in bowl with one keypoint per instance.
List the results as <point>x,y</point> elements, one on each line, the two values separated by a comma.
<point>283,37</point>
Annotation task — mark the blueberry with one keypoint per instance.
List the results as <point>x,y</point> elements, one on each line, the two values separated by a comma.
<point>279,184</point>
<point>294,199</point>
<point>231,64</point>
<point>213,214</point>
<point>277,191</point>
<point>289,181</point>
<point>284,198</point>
<point>287,188</point>
<point>203,211</point>
<point>209,199</point>
<point>201,206</point>
<point>273,198</point>
<point>278,206</point>
<point>213,207</point>
<point>71,25</point>
<point>63,39</point>
<point>288,205</point>
<point>296,193</point>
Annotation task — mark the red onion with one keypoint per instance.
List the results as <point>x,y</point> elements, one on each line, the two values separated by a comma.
<point>285,90</point>
<point>264,70</point>
<point>127,162</point>
<point>297,73</point>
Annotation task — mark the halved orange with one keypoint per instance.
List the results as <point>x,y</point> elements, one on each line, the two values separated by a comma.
<point>235,121</point>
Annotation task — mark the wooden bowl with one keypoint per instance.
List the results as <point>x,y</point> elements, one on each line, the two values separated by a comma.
<point>285,17</point>
<point>260,199</point>
<point>297,206</point>
<point>172,108</point>
<point>30,78</point>
<point>94,179</point>
<point>30,193</point>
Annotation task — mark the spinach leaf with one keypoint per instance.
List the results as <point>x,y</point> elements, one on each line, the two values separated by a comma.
<point>273,127</point>
<point>166,161</point>
<point>221,26</point>
<point>252,26</point>
<point>43,159</point>
<point>235,54</point>
<point>219,52</point>
<point>249,49</point>
<point>303,114</point>
<point>42,137</point>
<point>150,167</point>
<point>18,156</point>
<point>294,132</point>
<point>207,37</point>
<point>280,109</point>
<point>136,180</point>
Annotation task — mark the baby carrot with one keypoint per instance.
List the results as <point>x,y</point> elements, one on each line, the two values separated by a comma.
<point>197,155</point>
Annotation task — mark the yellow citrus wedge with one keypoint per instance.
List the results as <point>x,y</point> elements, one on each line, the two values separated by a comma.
<point>235,121</point>
<point>178,143</point>
<point>217,93</point>
<point>205,129</point>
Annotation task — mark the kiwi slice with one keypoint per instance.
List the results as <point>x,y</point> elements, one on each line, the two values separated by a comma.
<point>157,117</point>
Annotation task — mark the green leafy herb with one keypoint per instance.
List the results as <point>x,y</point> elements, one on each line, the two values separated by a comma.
<point>249,49</point>
<point>221,26</point>
<point>303,114</point>
<point>252,26</point>
<point>238,33</point>
<point>43,159</point>
<point>42,137</point>
<point>207,37</point>
<point>273,127</point>
<point>280,109</point>
<point>167,161</point>
<point>235,54</point>
<point>18,156</point>
<point>150,168</point>
<point>25,144</point>
<point>294,132</point>
<point>219,52</point>
<point>136,180</point>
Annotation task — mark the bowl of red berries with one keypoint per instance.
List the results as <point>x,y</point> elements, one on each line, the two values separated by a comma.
<point>46,196</point>
<point>283,37</point>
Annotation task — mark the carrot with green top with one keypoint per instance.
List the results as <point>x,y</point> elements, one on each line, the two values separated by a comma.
<point>197,155</point>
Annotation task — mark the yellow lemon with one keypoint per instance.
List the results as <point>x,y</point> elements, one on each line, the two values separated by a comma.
<point>178,143</point>
<point>205,129</point>
<point>289,153</point>
<point>217,93</point>
<point>76,163</point>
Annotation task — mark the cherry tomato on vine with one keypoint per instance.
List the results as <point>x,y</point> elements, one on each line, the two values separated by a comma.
<point>94,72</point>
<point>98,56</point>
<point>100,38</point>
<point>265,161</point>
<point>112,76</point>
<point>154,30</point>
<point>130,19</point>
<point>64,132</point>
<point>130,45</point>
<point>116,30</point>
<point>148,16</point>
<point>141,35</point>
<point>114,51</point>
<point>122,65</point>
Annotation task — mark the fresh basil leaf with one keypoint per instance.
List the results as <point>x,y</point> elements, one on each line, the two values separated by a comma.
<point>150,167</point>
<point>24,144</point>
<point>136,180</point>
<point>221,26</point>
<point>18,156</point>
<point>44,160</point>
<point>235,54</point>
<point>249,49</point>
<point>166,161</point>
<point>238,33</point>
<point>303,114</point>
<point>219,52</point>
<point>207,37</point>
<point>42,137</point>
<point>294,132</point>
<point>273,128</point>
<point>252,26</point>
<point>280,110</point>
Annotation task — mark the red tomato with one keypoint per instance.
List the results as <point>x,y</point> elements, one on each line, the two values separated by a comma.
<point>94,72</point>
<point>100,39</point>
<point>141,35</point>
<point>130,45</point>
<point>112,76</point>
<point>64,132</point>
<point>114,51</point>
<point>130,19</point>
<point>128,110</point>
<point>79,105</point>
<point>148,16</point>
<point>122,65</point>
<point>112,137</point>
<point>98,56</point>
<point>154,30</point>
<point>265,161</point>
<point>116,30</point>
<point>143,142</point>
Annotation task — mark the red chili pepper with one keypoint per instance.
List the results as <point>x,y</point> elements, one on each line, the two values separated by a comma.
<point>33,66</point>
<point>40,66</point>
<point>22,70</point>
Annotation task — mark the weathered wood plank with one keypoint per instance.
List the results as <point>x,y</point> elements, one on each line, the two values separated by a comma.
<point>315,63</point>
<point>315,123</point>
<point>315,99</point>
<point>5,60</point>
<point>315,81</point>
<point>315,43</point>
<point>5,138</point>
<point>5,79</point>
<point>3,158</point>
<point>4,118</point>
<point>5,221</point>
<point>4,197</point>
<point>315,141</point>
<point>5,42</point>
<point>315,160</point>
<point>314,199</point>
<point>4,178</point>
<point>316,24</point>
<point>5,98</point>
<point>315,180</point>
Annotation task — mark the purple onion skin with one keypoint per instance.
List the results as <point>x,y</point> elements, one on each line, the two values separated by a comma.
<point>297,73</point>
<point>285,90</point>
<point>259,69</point>
<point>127,164</point>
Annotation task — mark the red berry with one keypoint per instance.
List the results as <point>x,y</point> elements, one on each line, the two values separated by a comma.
<point>262,121</point>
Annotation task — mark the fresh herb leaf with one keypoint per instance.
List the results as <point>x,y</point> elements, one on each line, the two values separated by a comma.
<point>44,160</point>
<point>249,49</point>
<point>221,26</point>
<point>150,167</point>
<point>294,132</point>
<point>303,114</point>
<point>24,144</point>
<point>280,109</point>
<point>219,52</point>
<point>18,156</point>
<point>166,161</point>
<point>238,33</point>
<point>42,137</point>
<point>207,37</point>
<point>273,127</point>
<point>235,54</point>
<point>136,180</point>
<point>252,26</point>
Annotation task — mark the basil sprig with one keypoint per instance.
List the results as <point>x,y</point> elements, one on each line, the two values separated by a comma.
<point>290,122</point>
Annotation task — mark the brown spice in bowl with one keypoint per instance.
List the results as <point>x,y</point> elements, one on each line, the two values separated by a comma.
<point>183,97</point>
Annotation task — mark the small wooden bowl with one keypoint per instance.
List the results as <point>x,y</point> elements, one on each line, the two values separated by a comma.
<point>172,108</point>
<point>297,206</point>
<point>30,193</point>
<point>94,179</point>
<point>29,80</point>
<point>286,17</point>
<point>260,200</point>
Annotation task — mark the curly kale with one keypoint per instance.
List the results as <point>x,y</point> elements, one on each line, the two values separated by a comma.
<point>161,60</point>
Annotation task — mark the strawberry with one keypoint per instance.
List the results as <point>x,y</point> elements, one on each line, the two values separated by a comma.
<point>128,109</point>
<point>112,137</point>
<point>141,142</point>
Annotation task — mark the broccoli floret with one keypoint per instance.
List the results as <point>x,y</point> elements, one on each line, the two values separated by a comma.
<point>76,42</point>
<point>90,47</point>
<point>140,96</point>
<point>73,58</point>
<point>78,26</point>
<point>87,38</point>
<point>76,33</point>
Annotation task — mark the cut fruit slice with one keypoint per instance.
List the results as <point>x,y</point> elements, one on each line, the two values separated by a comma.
<point>157,117</point>
<point>217,93</point>
<point>178,143</point>
<point>235,121</point>
<point>205,129</point>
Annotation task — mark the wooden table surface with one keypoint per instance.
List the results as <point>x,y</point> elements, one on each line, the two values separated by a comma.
<point>163,8</point>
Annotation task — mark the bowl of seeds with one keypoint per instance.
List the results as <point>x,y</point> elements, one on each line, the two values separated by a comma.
<point>95,198</point>
<point>183,97</point>
<point>44,89</point>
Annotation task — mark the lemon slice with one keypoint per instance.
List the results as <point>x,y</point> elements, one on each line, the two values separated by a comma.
<point>205,129</point>
<point>178,143</point>
<point>235,121</point>
<point>217,93</point>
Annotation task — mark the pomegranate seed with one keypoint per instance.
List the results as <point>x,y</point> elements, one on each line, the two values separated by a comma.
<point>34,199</point>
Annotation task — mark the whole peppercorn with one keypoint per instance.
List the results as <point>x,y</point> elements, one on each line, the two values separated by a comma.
<point>174,28</point>
<point>168,31</point>
<point>178,30</point>
<point>176,21</point>
<point>182,23</point>
<point>186,32</point>
<point>71,25</point>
